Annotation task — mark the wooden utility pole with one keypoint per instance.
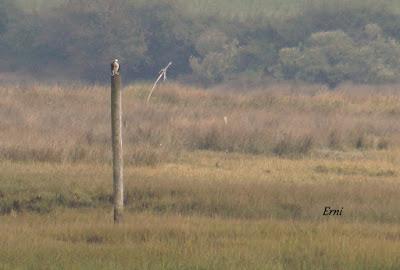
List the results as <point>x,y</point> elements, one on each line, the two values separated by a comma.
<point>116,134</point>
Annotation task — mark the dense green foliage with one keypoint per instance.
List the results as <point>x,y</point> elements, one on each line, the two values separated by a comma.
<point>315,40</point>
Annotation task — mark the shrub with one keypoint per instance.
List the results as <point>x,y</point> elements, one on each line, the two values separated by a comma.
<point>382,144</point>
<point>334,140</point>
<point>288,145</point>
<point>146,155</point>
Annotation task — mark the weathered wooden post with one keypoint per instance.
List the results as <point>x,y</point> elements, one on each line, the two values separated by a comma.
<point>116,137</point>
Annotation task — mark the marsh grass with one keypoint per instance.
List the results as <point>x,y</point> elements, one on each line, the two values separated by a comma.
<point>213,185</point>
<point>53,124</point>
<point>250,212</point>
<point>87,240</point>
<point>201,194</point>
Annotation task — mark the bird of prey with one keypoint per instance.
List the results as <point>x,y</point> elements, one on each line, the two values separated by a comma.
<point>115,67</point>
<point>162,74</point>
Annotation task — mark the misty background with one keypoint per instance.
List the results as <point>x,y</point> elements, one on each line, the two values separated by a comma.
<point>210,42</point>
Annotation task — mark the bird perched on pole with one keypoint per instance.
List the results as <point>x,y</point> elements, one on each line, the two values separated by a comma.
<point>162,74</point>
<point>115,67</point>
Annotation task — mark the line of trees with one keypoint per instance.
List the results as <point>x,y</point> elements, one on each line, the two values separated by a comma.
<point>328,42</point>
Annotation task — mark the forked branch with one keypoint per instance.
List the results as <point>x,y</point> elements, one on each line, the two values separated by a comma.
<point>162,74</point>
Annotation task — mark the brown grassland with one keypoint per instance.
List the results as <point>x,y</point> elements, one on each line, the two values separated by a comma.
<point>201,193</point>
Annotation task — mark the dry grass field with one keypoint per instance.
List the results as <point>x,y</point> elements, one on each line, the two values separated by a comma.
<point>201,194</point>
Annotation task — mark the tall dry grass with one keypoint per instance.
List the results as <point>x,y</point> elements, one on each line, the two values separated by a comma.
<point>201,209</point>
<point>71,122</point>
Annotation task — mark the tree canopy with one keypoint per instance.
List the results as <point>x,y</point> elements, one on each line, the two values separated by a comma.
<point>326,42</point>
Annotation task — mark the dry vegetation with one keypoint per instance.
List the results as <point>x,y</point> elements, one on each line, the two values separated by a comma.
<point>201,194</point>
<point>61,124</point>
<point>86,241</point>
